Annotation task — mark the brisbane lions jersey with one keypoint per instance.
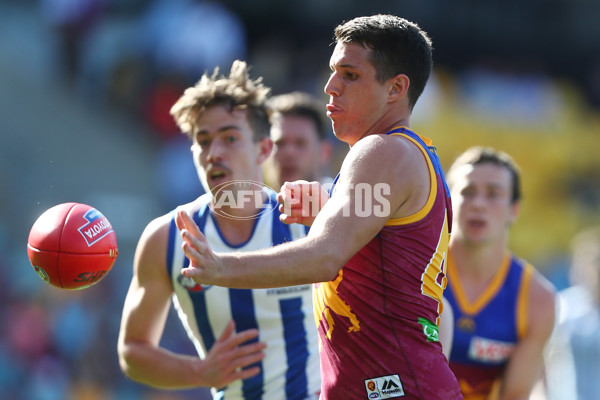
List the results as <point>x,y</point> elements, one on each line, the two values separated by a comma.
<point>487,329</point>
<point>378,320</point>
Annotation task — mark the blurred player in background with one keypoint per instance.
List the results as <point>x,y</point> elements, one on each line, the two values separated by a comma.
<point>301,149</point>
<point>376,248</point>
<point>573,359</point>
<point>503,308</point>
<point>226,119</point>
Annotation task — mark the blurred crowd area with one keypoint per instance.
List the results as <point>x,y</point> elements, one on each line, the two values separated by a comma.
<point>85,90</point>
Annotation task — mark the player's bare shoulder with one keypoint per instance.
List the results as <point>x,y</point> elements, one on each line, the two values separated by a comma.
<point>542,302</point>
<point>384,153</point>
<point>394,161</point>
<point>158,228</point>
<point>542,291</point>
<point>152,247</point>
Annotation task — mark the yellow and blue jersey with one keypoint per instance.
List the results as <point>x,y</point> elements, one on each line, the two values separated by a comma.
<point>487,329</point>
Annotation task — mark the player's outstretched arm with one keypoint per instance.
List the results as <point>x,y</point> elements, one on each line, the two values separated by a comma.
<point>345,224</point>
<point>144,314</point>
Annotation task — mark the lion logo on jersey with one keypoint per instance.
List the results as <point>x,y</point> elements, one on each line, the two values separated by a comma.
<point>327,300</point>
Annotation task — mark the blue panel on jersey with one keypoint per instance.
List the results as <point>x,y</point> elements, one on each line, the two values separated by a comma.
<point>171,245</point>
<point>297,354</point>
<point>198,298</point>
<point>281,232</point>
<point>243,313</point>
<point>201,313</point>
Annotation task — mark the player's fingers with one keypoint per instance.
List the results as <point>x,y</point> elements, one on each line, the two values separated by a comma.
<point>244,360</point>
<point>227,332</point>
<point>280,196</point>
<point>245,373</point>
<point>287,219</point>
<point>179,221</point>
<point>285,193</point>
<point>197,242</point>
<point>193,248</point>
<point>188,223</point>
<point>191,272</point>
<point>240,340</point>
<point>291,193</point>
<point>250,359</point>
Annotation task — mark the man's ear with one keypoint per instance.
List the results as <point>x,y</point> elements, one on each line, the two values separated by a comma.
<point>265,146</point>
<point>399,87</point>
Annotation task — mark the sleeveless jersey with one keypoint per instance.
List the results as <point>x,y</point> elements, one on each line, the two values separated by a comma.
<point>377,320</point>
<point>283,316</point>
<point>487,329</point>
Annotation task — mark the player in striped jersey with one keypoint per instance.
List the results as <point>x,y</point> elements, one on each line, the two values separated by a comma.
<point>252,344</point>
<point>503,308</point>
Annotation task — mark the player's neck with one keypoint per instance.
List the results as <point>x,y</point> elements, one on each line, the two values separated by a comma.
<point>478,261</point>
<point>476,266</point>
<point>384,125</point>
<point>237,216</point>
<point>235,231</point>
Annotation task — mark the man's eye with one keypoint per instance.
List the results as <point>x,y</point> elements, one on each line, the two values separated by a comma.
<point>468,193</point>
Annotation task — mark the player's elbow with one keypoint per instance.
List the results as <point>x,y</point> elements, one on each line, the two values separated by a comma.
<point>125,359</point>
<point>330,264</point>
<point>128,360</point>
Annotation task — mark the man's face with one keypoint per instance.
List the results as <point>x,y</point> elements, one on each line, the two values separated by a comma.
<point>224,149</point>
<point>357,101</point>
<point>297,153</point>
<point>481,203</point>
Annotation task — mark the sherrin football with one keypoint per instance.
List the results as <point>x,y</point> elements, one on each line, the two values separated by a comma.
<point>72,246</point>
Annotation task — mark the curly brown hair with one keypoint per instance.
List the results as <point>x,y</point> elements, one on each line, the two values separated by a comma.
<point>236,91</point>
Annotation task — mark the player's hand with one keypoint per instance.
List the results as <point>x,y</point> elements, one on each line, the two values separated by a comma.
<point>204,263</point>
<point>231,357</point>
<point>301,201</point>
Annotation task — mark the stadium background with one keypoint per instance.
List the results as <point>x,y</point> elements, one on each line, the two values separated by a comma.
<point>85,86</point>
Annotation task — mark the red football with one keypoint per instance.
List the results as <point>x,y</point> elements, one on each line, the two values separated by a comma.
<point>72,246</point>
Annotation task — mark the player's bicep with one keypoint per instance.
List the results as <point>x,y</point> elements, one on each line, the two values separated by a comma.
<point>525,365</point>
<point>357,210</point>
<point>149,295</point>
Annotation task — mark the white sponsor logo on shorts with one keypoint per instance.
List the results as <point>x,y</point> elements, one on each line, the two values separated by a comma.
<point>384,387</point>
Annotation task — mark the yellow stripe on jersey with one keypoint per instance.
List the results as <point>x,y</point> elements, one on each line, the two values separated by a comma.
<point>474,307</point>
<point>522,301</point>
<point>432,191</point>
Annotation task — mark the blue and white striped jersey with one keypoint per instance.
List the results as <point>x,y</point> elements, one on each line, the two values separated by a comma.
<point>283,316</point>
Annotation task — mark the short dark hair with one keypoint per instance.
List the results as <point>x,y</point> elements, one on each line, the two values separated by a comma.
<point>300,104</point>
<point>487,155</point>
<point>397,47</point>
<point>236,91</point>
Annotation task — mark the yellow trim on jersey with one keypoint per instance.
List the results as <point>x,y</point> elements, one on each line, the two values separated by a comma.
<point>522,301</point>
<point>432,191</point>
<point>473,308</point>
